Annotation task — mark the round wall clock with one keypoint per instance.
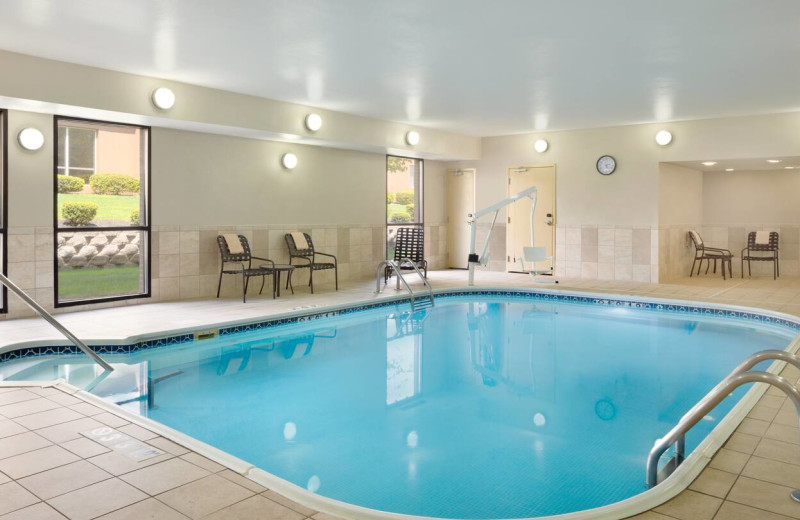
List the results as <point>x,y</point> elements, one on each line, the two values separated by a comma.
<point>606,165</point>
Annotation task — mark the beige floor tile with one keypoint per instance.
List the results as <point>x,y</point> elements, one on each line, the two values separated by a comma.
<point>729,460</point>
<point>773,471</point>
<point>764,495</point>
<point>303,510</point>
<point>786,418</point>
<point>57,481</point>
<point>325,516</point>
<point>137,432</point>
<point>35,461</point>
<point>762,413</point>
<point>13,497</point>
<point>21,443</point>
<point>150,509</point>
<point>9,428</point>
<point>4,478</point>
<point>40,511</point>
<point>86,409</point>
<point>714,482</point>
<point>778,450</point>
<point>84,448</point>
<point>27,407</point>
<point>734,511</point>
<point>48,418</point>
<point>690,505</point>
<point>64,399</point>
<point>199,460</point>
<point>242,481</point>
<point>783,433</point>
<point>650,515</point>
<point>97,499</point>
<point>753,427</point>
<point>742,442</point>
<point>164,476</point>
<point>17,396</point>
<point>110,419</point>
<point>68,430</point>
<point>772,401</point>
<point>168,446</point>
<point>204,496</point>
<point>255,508</point>
<point>119,464</point>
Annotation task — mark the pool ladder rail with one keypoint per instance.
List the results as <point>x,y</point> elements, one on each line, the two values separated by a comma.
<point>740,375</point>
<point>418,302</point>
<point>38,309</point>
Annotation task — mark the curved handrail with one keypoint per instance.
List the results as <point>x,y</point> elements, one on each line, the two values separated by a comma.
<point>55,323</point>
<point>737,378</point>
<point>421,277</point>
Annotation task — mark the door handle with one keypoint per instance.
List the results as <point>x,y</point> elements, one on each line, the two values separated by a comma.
<point>548,222</point>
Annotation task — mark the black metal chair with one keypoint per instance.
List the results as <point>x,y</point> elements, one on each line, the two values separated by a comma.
<point>765,252</point>
<point>308,259</point>
<point>409,245</point>
<point>245,261</point>
<point>703,252</point>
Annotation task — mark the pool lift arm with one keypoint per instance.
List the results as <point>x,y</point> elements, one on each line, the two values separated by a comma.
<point>532,254</point>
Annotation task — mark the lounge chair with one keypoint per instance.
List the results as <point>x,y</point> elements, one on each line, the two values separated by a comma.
<point>409,245</point>
<point>235,251</point>
<point>307,256</point>
<point>703,252</point>
<point>765,245</point>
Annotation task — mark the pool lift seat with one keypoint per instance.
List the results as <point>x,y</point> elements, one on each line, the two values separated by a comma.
<point>739,376</point>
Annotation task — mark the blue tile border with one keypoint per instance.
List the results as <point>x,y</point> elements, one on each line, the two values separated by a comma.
<point>521,294</point>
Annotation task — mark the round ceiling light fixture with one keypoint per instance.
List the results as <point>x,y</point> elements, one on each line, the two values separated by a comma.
<point>663,137</point>
<point>289,161</point>
<point>541,145</point>
<point>31,138</point>
<point>313,122</point>
<point>412,138</point>
<point>163,98</point>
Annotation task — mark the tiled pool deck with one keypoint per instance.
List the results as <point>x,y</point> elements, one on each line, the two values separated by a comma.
<point>48,470</point>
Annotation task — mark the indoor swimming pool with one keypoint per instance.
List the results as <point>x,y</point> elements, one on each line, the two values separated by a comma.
<point>485,406</point>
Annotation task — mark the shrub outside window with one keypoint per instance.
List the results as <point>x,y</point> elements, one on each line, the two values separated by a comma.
<point>403,197</point>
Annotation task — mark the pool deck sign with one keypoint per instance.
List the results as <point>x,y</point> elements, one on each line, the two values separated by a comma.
<point>121,443</point>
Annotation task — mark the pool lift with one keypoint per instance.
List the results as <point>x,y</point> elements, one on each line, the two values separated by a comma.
<point>530,254</point>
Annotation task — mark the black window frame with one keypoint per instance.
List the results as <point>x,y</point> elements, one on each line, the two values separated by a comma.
<point>4,202</point>
<point>421,211</point>
<point>146,229</point>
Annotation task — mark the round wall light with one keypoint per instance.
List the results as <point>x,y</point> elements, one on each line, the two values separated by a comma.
<point>313,122</point>
<point>30,138</point>
<point>663,137</point>
<point>163,98</point>
<point>541,145</point>
<point>412,138</point>
<point>289,161</point>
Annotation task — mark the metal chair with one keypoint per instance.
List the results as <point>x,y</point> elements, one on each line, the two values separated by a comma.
<point>409,245</point>
<point>246,269</point>
<point>308,259</point>
<point>770,247</point>
<point>703,252</point>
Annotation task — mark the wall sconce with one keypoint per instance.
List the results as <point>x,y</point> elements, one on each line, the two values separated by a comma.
<point>412,138</point>
<point>289,161</point>
<point>663,137</point>
<point>313,122</point>
<point>163,98</point>
<point>30,138</point>
<point>541,145</point>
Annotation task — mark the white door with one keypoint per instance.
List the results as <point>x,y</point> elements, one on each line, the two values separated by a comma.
<point>518,231</point>
<point>460,202</point>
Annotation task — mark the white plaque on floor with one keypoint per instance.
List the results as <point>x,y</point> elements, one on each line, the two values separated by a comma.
<point>119,442</point>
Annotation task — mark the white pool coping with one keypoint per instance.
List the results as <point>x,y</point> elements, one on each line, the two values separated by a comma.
<point>677,482</point>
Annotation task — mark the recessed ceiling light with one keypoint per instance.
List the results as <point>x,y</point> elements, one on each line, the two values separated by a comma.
<point>729,169</point>
<point>313,122</point>
<point>663,137</point>
<point>540,145</point>
<point>773,161</point>
<point>788,167</point>
<point>709,163</point>
<point>412,138</point>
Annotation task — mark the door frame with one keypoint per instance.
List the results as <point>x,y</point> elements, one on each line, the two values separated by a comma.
<point>509,171</point>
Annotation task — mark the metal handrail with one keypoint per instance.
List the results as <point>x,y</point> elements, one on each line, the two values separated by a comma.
<point>419,273</point>
<point>401,278</point>
<point>52,321</point>
<point>738,377</point>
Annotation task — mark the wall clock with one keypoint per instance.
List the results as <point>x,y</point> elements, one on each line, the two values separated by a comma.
<point>606,165</point>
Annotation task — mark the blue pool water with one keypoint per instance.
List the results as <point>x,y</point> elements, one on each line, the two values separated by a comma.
<point>480,408</point>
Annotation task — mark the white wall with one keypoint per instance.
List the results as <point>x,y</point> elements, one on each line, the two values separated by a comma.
<point>751,198</point>
<point>680,209</point>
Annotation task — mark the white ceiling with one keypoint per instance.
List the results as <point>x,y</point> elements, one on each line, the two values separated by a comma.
<point>469,66</point>
<point>751,165</point>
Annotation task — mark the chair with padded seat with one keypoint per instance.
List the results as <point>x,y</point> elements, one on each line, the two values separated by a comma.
<point>704,252</point>
<point>306,255</point>
<point>244,259</point>
<point>762,248</point>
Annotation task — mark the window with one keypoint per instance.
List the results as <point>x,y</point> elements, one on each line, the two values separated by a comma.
<point>403,197</point>
<point>3,208</point>
<point>101,213</point>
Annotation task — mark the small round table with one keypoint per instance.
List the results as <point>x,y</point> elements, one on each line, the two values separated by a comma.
<point>276,277</point>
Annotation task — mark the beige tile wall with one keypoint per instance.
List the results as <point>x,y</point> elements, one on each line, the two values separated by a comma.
<point>735,238</point>
<point>185,260</point>
<point>675,251</point>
